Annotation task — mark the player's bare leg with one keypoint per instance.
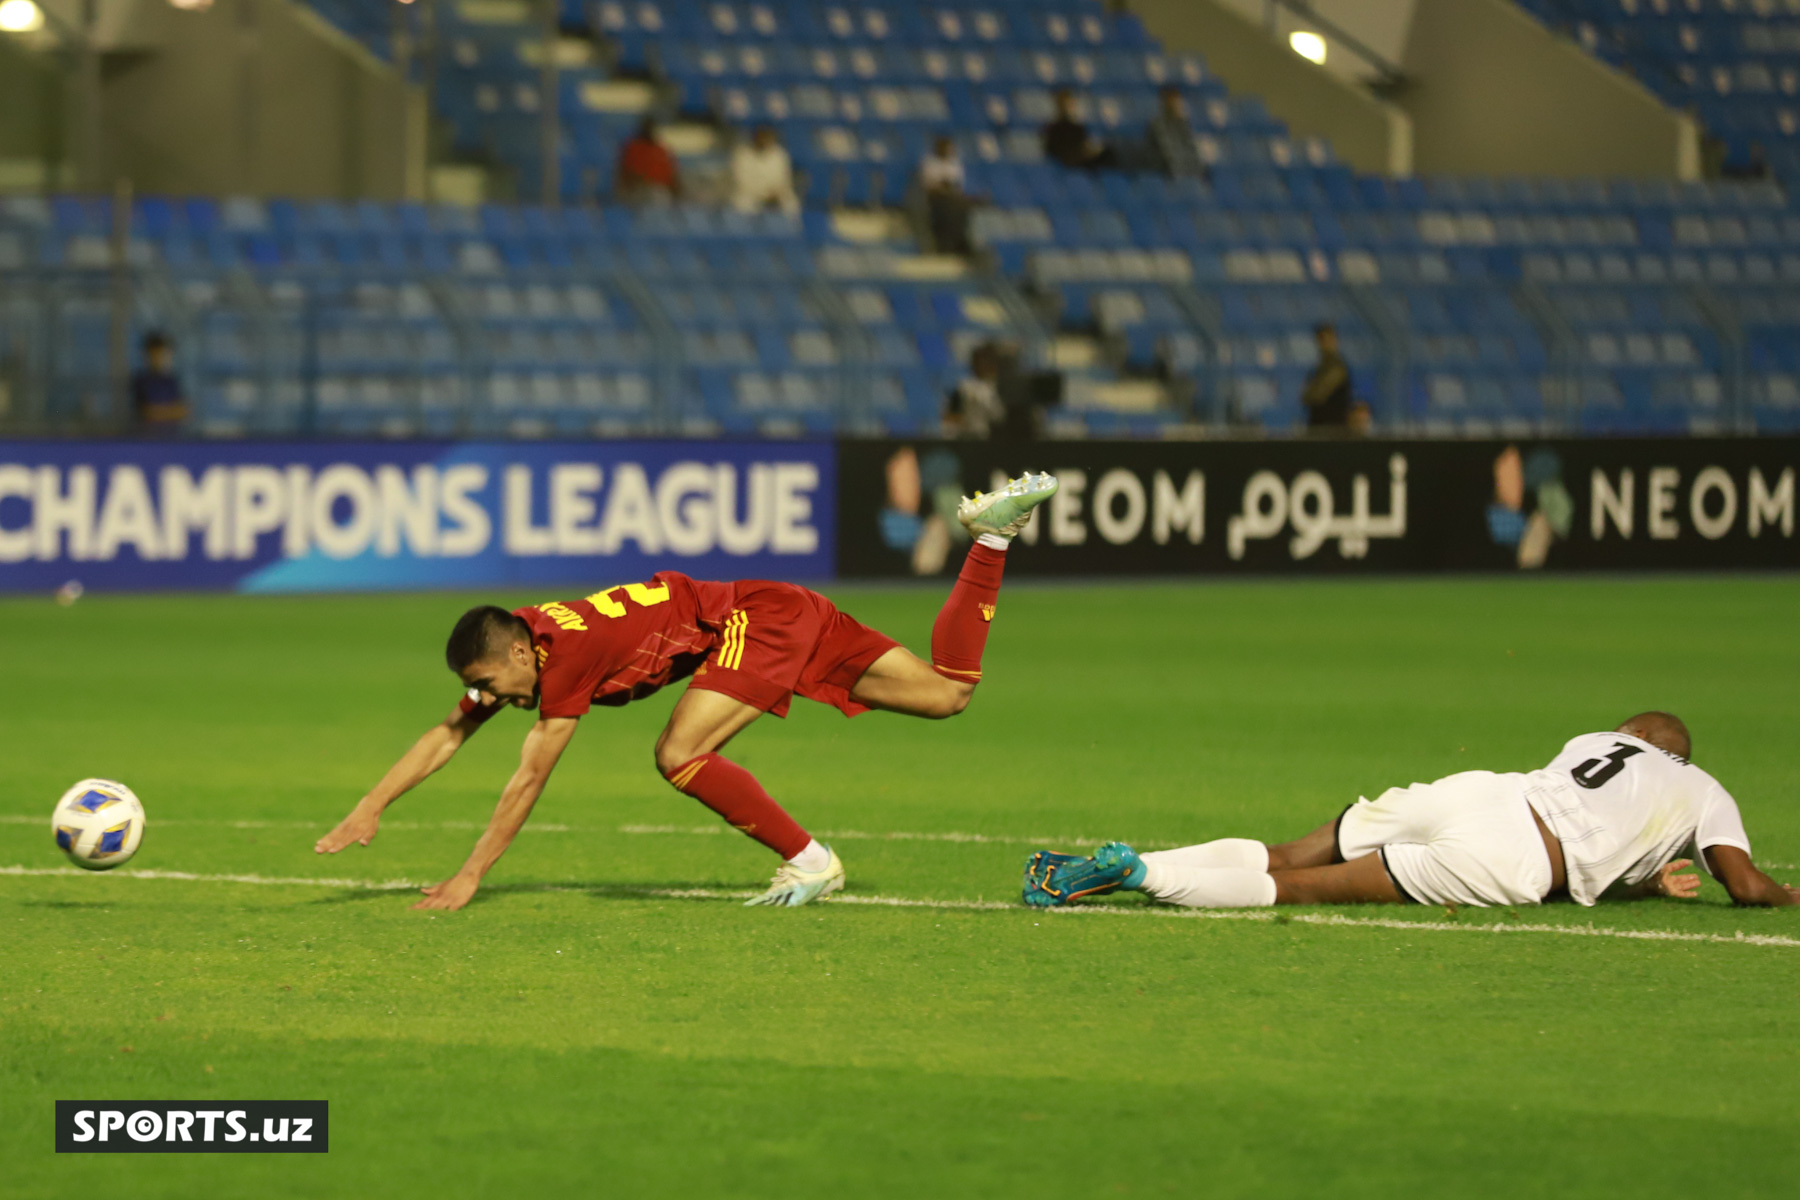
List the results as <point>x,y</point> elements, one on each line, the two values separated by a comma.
<point>1362,880</point>
<point>1317,849</point>
<point>701,724</point>
<point>687,755</point>
<point>900,681</point>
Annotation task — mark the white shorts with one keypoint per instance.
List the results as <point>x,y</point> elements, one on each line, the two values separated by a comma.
<point>1467,839</point>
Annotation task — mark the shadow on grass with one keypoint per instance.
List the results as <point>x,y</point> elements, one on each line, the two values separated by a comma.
<point>66,904</point>
<point>710,891</point>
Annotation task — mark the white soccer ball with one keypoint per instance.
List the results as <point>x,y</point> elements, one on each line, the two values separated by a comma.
<point>98,823</point>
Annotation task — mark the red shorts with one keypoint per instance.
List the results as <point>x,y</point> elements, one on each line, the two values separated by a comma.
<point>781,639</point>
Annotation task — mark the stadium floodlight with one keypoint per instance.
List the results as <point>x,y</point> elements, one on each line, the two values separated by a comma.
<point>1308,45</point>
<point>191,5</point>
<point>20,16</point>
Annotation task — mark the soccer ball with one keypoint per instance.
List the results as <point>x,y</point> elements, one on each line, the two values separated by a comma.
<point>98,823</point>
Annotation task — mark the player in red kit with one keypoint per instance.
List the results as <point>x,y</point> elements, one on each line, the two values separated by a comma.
<point>746,647</point>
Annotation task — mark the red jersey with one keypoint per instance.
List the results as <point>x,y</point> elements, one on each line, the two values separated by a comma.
<point>622,644</point>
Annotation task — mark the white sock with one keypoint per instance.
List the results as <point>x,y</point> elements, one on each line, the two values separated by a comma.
<point>994,541</point>
<point>813,859</point>
<point>1207,887</point>
<point>1241,853</point>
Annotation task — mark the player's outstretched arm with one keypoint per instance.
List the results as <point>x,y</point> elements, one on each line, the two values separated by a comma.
<point>437,747</point>
<point>1747,885</point>
<point>543,747</point>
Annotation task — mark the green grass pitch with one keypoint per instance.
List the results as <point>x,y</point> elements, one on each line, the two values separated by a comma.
<point>582,1031</point>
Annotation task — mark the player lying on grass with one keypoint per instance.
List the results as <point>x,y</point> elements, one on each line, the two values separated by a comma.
<point>1607,817</point>
<point>748,646</point>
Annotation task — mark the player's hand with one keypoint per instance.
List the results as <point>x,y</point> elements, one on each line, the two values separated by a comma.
<point>359,826</point>
<point>451,894</point>
<point>1677,887</point>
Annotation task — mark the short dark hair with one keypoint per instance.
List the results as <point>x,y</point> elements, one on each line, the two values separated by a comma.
<point>156,339</point>
<point>481,631</point>
<point>1665,731</point>
<point>1323,328</point>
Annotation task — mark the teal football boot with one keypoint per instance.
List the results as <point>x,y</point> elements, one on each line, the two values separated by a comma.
<point>1052,880</point>
<point>1037,872</point>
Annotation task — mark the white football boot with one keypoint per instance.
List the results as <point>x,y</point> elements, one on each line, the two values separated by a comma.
<point>1005,512</point>
<point>793,887</point>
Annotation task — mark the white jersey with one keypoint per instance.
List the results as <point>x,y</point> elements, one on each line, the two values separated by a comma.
<point>1624,809</point>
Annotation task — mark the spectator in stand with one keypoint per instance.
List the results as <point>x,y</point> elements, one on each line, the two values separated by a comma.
<point>1172,137</point>
<point>946,203</point>
<point>1067,141</point>
<point>157,404</point>
<point>1327,393</point>
<point>1001,399</point>
<point>762,175</point>
<point>974,408</point>
<point>647,172</point>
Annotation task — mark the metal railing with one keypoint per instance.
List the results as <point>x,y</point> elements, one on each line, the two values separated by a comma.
<point>252,348</point>
<point>259,334</point>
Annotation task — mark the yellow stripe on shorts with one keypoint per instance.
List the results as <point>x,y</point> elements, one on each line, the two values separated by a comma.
<point>731,651</point>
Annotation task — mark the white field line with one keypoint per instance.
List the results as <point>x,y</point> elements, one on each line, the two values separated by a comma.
<point>834,835</point>
<point>375,885</point>
<point>1333,920</point>
<point>322,826</point>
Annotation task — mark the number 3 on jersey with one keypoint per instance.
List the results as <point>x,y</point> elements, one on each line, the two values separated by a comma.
<point>1596,771</point>
<point>644,595</point>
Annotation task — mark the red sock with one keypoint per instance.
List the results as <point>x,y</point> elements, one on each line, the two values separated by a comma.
<point>734,794</point>
<point>960,634</point>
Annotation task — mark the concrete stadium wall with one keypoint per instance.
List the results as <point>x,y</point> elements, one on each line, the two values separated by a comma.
<point>1494,92</point>
<point>255,97</point>
<point>1379,25</point>
<point>31,118</point>
<point>1367,132</point>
